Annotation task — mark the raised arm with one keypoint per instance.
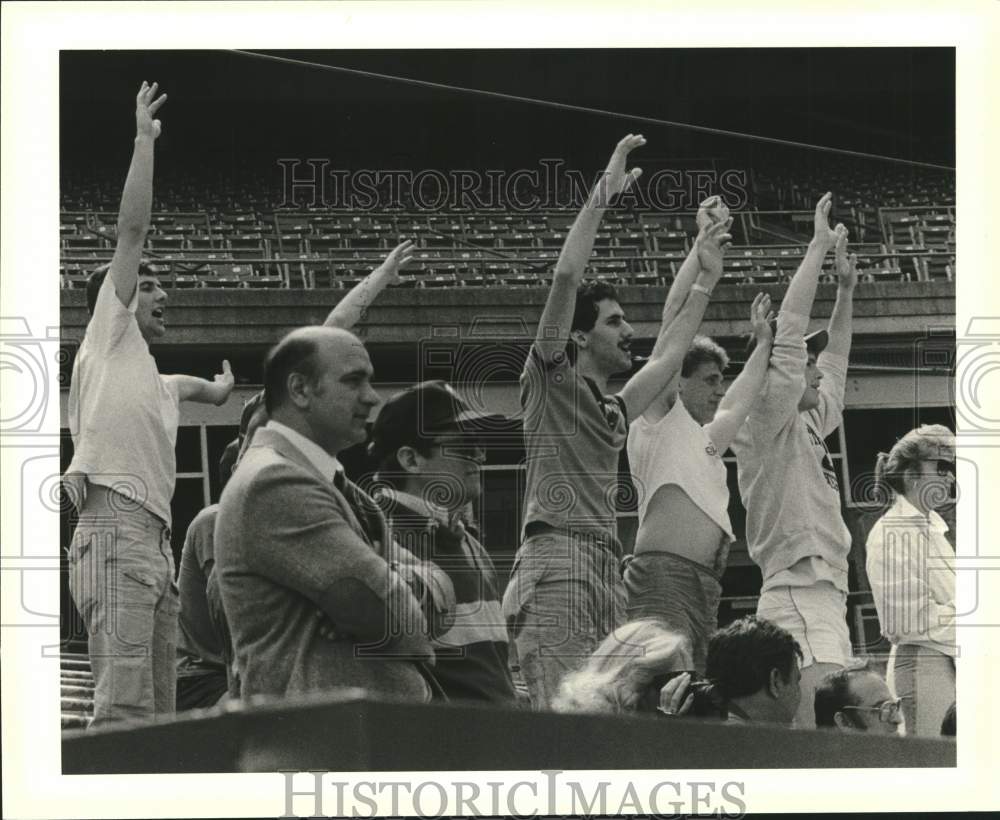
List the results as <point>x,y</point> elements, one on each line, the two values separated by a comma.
<point>710,212</point>
<point>137,196</point>
<point>802,290</point>
<point>847,279</point>
<point>557,317</point>
<point>352,308</point>
<point>786,369</point>
<point>746,389</point>
<point>649,383</point>
<point>191,388</point>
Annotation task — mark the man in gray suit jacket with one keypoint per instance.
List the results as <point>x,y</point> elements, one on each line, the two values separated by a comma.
<point>288,541</point>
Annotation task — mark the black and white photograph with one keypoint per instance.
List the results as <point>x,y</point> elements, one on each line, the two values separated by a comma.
<point>485,426</point>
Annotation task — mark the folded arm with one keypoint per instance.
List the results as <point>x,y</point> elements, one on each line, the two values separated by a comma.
<point>898,572</point>
<point>308,546</point>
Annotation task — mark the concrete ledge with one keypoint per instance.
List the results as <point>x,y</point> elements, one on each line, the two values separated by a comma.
<point>351,733</point>
<point>246,317</point>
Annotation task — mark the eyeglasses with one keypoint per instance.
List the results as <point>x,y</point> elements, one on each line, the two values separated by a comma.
<point>472,451</point>
<point>945,467</point>
<point>888,710</point>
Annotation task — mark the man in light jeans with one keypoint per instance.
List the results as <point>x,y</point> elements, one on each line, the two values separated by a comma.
<point>123,416</point>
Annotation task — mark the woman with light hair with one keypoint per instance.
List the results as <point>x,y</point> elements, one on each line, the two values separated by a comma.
<point>628,672</point>
<point>911,569</point>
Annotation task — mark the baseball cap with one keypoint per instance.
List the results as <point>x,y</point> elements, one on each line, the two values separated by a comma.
<point>816,341</point>
<point>421,412</point>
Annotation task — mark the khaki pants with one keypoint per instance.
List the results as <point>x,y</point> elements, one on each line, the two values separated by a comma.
<point>565,596</point>
<point>121,577</point>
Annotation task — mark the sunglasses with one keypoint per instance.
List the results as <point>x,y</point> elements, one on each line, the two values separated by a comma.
<point>945,467</point>
<point>887,710</point>
<point>468,449</point>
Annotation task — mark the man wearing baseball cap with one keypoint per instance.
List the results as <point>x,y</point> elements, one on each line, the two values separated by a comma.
<point>427,452</point>
<point>794,528</point>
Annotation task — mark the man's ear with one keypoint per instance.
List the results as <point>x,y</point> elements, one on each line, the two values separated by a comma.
<point>775,682</point>
<point>841,720</point>
<point>579,338</point>
<point>409,459</point>
<point>299,389</point>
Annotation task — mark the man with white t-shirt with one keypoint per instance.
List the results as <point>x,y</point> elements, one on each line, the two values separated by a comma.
<point>675,453</point>
<point>123,416</point>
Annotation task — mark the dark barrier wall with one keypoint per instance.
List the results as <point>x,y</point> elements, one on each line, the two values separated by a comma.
<point>362,735</point>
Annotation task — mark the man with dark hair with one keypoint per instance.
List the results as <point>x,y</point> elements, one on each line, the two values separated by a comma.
<point>566,593</point>
<point>123,416</point>
<point>794,528</point>
<point>675,452</point>
<point>293,535</point>
<point>856,700</point>
<point>428,456</point>
<point>754,665</point>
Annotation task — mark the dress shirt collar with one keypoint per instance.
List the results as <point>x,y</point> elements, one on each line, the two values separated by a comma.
<point>904,509</point>
<point>324,463</point>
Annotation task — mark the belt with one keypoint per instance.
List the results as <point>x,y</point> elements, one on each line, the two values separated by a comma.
<point>605,539</point>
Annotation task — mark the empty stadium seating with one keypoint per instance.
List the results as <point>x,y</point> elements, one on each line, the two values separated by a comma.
<point>902,227</point>
<point>76,690</point>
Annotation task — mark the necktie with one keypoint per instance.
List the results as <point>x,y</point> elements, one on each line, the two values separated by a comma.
<point>366,516</point>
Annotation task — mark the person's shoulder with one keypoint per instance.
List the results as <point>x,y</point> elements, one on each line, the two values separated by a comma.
<point>536,362</point>
<point>205,517</point>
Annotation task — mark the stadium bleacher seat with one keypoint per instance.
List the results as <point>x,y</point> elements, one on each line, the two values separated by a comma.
<point>902,226</point>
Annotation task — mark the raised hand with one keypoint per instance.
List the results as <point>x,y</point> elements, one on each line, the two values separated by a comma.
<point>398,257</point>
<point>711,211</point>
<point>224,382</point>
<point>761,317</point>
<point>146,106</point>
<point>846,265</point>
<point>674,696</point>
<point>616,179</point>
<point>822,233</point>
<point>713,242</point>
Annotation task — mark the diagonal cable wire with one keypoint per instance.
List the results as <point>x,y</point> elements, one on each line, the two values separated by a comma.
<point>704,129</point>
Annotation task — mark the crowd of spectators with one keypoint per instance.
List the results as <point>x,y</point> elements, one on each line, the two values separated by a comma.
<point>301,580</point>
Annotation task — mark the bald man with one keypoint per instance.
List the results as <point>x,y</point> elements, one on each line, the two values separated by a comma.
<point>293,536</point>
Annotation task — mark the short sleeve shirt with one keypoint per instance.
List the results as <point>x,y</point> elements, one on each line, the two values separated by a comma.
<point>123,414</point>
<point>573,436</point>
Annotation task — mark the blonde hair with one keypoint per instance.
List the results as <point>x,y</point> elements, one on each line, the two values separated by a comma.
<point>926,443</point>
<point>622,667</point>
